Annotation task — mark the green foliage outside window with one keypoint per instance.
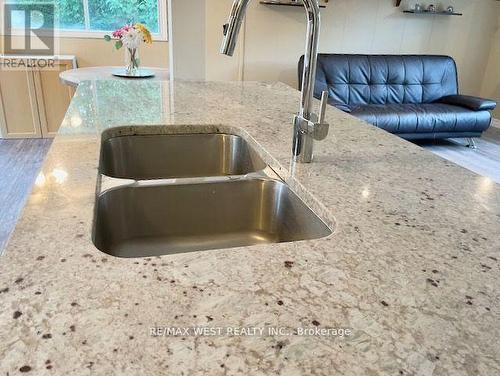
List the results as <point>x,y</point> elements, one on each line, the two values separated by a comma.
<point>112,14</point>
<point>103,15</point>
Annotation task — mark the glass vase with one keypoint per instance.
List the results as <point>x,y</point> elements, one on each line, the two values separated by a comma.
<point>131,61</point>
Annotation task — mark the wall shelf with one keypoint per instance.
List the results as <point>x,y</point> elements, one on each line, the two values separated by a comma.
<point>286,3</point>
<point>442,13</point>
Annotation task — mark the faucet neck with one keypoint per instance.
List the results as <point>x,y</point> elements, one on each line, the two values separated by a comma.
<point>307,126</point>
<point>310,57</point>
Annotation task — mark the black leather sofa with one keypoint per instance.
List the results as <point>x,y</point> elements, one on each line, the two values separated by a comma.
<point>413,96</point>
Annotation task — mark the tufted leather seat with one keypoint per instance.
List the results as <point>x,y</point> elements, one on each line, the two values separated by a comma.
<point>414,96</point>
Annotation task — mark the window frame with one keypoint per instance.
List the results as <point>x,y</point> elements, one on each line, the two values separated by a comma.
<point>162,35</point>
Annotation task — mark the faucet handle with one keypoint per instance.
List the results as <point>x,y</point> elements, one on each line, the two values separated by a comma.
<point>321,128</point>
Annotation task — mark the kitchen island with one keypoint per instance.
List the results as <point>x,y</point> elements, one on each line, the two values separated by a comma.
<point>410,273</point>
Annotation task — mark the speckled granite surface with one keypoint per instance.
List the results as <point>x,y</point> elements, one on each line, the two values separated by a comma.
<point>412,269</point>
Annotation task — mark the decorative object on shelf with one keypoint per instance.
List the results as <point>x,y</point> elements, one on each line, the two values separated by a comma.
<point>131,37</point>
<point>427,12</point>
<point>419,9</point>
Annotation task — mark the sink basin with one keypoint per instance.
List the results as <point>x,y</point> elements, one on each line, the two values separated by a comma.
<point>147,219</point>
<point>177,156</point>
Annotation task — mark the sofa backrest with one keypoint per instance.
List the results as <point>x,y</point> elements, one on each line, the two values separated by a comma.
<point>353,80</point>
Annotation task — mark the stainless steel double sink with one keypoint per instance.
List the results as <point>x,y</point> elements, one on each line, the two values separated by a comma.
<point>193,192</point>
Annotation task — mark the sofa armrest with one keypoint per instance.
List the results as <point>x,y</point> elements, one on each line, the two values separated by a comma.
<point>473,103</point>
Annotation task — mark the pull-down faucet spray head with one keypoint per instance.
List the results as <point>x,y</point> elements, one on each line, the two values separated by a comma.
<point>232,28</point>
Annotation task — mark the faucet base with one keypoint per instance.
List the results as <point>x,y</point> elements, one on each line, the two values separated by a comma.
<point>306,154</point>
<point>303,141</point>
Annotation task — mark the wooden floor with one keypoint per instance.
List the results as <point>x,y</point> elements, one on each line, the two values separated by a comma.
<point>20,161</point>
<point>485,160</point>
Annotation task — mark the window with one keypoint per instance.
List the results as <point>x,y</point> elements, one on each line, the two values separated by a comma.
<point>96,17</point>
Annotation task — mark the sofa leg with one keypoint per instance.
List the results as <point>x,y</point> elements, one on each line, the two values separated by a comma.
<point>471,143</point>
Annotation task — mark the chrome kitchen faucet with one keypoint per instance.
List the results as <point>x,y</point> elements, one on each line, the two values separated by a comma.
<point>307,126</point>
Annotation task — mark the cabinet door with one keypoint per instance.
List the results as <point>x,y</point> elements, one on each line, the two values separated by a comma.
<point>53,98</point>
<point>18,106</point>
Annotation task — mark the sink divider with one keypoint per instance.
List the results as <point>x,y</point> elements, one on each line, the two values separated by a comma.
<point>108,183</point>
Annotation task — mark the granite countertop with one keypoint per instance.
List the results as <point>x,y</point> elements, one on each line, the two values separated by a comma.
<point>412,269</point>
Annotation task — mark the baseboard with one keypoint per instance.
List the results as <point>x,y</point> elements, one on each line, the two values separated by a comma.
<point>495,123</point>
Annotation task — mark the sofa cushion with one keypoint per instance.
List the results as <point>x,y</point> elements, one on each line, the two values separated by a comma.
<point>423,118</point>
<point>384,79</point>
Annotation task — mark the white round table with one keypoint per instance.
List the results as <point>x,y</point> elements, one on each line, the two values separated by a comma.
<point>73,77</point>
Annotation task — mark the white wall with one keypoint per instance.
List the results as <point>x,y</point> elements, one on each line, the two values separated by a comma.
<point>274,37</point>
<point>491,82</point>
<point>187,39</point>
<point>220,67</point>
